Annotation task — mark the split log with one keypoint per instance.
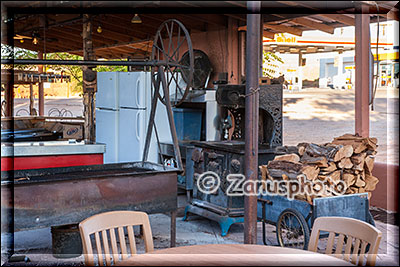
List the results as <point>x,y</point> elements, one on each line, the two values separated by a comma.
<point>331,167</point>
<point>286,150</point>
<point>354,189</point>
<point>315,150</point>
<point>301,150</point>
<point>349,179</point>
<point>277,168</point>
<point>291,149</point>
<point>343,152</point>
<point>359,143</point>
<point>359,182</point>
<point>358,161</point>
<point>278,173</point>
<point>349,137</point>
<point>319,161</point>
<point>288,157</point>
<point>284,165</point>
<point>335,176</point>
<point>311,171</point>
<point>369,164</point>
<point>371,143</point>
<point>358,146</point>
<point>345,163</point>
<point>370,183</point>
<point>264,172</point>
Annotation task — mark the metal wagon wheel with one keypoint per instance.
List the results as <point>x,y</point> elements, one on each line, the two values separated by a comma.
<point>66,113</point>
<point>53,111</point>
<point>22,110</point>
<point>170,38</point>
<point>292,230</point>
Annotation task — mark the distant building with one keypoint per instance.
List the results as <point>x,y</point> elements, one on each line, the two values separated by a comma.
<point>319,59</point>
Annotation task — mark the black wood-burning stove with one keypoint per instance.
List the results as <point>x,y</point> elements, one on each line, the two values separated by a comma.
<point>227,156</point>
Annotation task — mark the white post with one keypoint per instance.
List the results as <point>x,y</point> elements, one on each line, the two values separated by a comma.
<point>341,77</point>
<point>300,72</point>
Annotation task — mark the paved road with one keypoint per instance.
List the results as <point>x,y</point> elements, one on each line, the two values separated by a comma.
<point>312,115</point>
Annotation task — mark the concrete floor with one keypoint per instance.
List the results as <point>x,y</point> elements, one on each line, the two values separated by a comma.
<point>36,245</point>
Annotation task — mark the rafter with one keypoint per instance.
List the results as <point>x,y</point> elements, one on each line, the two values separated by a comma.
<point>340,18</point>
<point>282,28</point>
<point>236,16</point>
<point>314,25</point>
<point>268,34</point>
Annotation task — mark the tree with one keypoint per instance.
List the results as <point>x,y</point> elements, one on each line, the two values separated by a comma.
<point>270,61</point>
<point>74,71</point>
<point>18,53</point>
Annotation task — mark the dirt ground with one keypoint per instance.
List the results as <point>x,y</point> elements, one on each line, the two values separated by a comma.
<point>319,115</point>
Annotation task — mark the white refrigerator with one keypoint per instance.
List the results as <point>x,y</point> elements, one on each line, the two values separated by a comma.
<point>122,111</point>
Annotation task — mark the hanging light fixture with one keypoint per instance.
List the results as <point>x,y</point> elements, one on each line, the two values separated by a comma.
<point>35,40</point>
<point>136,19</point>
<point>99,29</point>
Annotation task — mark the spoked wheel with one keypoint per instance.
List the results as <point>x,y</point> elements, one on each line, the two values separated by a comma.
<point>171,38</point>
<point>292,230</point>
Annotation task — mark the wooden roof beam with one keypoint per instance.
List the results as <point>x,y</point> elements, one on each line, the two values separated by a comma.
<point>393,15</point>
<point>218,20</point>
<point>282,28</point>
<point>314,25</point>
<point>236,16</point>
<point>340,18</point>
<point>111,47</point>
<point>104,36</point>
<point>267,34</point>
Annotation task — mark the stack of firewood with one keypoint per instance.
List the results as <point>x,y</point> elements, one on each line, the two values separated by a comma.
<point>348,158</point>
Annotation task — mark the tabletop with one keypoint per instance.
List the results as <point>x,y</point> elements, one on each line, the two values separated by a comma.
<point>232,254</point>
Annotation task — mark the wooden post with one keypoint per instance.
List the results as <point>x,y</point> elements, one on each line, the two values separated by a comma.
<point>40,85</point>
<point>363,75</point>
<point>9,95</point>
<point>251,119</point>
<point>89,81</point>
<point>31,100</point>
<point>7,190</point>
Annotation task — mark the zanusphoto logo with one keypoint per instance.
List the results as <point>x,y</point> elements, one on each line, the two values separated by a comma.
<point>209,182</point>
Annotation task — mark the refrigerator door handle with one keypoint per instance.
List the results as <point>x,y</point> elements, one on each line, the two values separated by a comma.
<point>138,93</point>
<point>137,126</point>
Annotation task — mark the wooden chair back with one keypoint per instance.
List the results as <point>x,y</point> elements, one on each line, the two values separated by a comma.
<point>103,228</point>
<point>358,233</point>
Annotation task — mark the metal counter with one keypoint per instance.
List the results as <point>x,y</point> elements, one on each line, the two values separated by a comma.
<point>47,148</point>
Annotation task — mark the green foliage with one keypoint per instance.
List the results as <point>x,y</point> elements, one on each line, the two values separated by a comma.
<point>74,71</point>
<point>17,53</point>
<point>111,68</point>
<point>270,63</point>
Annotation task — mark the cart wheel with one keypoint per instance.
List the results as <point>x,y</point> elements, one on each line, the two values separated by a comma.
<point>170,38</point>
<point>292,230</point>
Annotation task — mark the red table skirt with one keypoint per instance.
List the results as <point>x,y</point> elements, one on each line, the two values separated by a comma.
<point>41,162</point>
